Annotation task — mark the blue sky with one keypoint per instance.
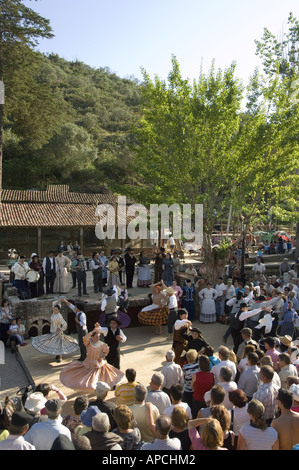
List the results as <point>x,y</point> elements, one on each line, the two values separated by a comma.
<point>126,35</point>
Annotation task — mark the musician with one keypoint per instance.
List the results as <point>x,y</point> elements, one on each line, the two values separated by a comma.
<point>20,269</point>
<point>37,288</point>
<point>50,269</point>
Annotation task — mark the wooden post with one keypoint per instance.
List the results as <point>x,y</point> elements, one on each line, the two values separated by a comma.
<point>39,242</point>
<point>82,240</point>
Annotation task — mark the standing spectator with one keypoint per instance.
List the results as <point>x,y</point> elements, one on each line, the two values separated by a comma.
<point>226,382</point>
<point>188,299</point>
<point>287,424</point>
<point>189,370</point>
<point>126,428</point>
<point>287,369</point>
<point>223,353</point>
<point>220,288</point>
<point>257,435</point>
<point>73,421</point>
<point>43,434</point>
<point>62,283</point>
<point>97,272</point>
<point>239,414</point>
<point>284,268</point>
<point>104,261</point>
<point>214,397</point>
<point>201,382</point>
<point>246,335</point>
<point>267,392</point>
<point>208,296</point>
<point>163,442</point>
<point>167,270</point>
<point>179,427</point>
<point>19,426</point>
<point>125,392</point>
<point>139,410</point>
<point>271,351</point>
<point>50,269</point>
<point>113,268</point>
<point>211,437</point>
<point>100,438</point>
<point>79,266</point>
<point>176,396</point>
<point>171,372</point>
<point>210,352</point>
<point>104,405</point>
<point>156,396</point>
<point>130,261</point>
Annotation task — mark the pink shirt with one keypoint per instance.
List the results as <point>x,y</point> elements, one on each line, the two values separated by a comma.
<point>197,443</point>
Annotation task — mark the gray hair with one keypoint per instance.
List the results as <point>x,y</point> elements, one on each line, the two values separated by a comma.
<point>140,393</point>
<point>226,373</point>
<point>100,422</point>
<point>163,425</point>
<point>158,378</point>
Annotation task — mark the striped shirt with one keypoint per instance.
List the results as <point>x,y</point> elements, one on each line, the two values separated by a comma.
<point>125,393</point>
<point>267,394</point>
<point>188,371</point>
<point>256,439</point>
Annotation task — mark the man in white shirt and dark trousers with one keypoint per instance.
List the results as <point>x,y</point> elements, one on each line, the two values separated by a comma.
<point>81,326</point>
<point>50,269</point>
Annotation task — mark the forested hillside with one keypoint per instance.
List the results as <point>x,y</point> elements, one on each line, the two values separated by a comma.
<point>66,122</point>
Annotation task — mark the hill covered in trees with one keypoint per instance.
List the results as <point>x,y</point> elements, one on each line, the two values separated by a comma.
<point>66,123</point>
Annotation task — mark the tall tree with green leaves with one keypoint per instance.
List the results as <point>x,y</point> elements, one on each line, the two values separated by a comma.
<point>196,145</point>
<point>20,30</point>
<point>280,58</point>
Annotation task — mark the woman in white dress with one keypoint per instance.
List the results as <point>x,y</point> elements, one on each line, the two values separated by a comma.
<point>62,282</point>
<point>55,342</point>
<point>207,296</point>
<point>144,272</point>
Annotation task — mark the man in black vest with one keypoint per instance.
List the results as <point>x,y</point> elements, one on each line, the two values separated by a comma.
<point>113,337</point>
<point>49,268</point>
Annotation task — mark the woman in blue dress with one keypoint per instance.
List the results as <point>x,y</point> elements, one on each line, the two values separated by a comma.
<point>168,270</point>
<point>188,299</point>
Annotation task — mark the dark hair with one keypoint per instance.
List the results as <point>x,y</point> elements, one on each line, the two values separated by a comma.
<point>286,398</point>
<point>204,363</point>
<point>81,403</point>
<point>238,398</point>
<point>209,350</point>
<point>44,389</point>
<point>131,375</point>
<point>177,391</point>
<point>253,358</point>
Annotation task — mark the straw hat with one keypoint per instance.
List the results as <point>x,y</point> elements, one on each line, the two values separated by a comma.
<point>286,340</point>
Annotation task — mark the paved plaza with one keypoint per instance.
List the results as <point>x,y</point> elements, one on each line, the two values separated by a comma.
<point>144,351</point>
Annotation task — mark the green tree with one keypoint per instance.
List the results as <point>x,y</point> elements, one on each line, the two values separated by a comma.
<point>20,29</point>
<point>195,144</point>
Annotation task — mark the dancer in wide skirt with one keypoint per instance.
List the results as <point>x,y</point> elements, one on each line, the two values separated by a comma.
<point>85,375</point>
<point>56,342</point>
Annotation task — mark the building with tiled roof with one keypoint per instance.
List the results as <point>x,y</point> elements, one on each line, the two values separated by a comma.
<point>36,221</point>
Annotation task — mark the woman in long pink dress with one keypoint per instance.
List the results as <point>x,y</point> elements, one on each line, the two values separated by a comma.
<point>84,375</point>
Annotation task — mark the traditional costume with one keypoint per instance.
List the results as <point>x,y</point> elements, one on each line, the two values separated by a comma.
<point>56,342</point>
<point>208,295</point>
<point>157,313</point>
<point>85,375</point>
